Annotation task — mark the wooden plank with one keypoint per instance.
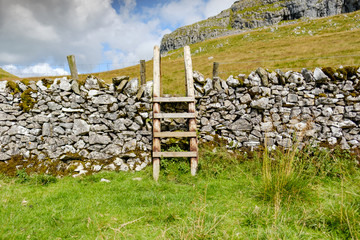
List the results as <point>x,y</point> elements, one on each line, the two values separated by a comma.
<point>174,154</point>
<point>174,99</point>
<point>72,66</point>
<point>156,110</point>
<point>142,72</point>
<point>174,115</point>
<point>192,122</point>
<point>215,70</point>
<point>174,134</point>
<point>190,90</point>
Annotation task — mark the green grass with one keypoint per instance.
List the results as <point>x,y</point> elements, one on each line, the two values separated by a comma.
<point>224,201</point>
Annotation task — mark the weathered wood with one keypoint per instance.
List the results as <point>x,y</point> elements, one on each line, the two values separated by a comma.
<point>215,70</point>
<point>174,154</point>
<point>72,66</point>
<point>192,121</point>
<point>174,99</point>
<point>156,110</point>
<point>188,73</point>
<point>174,115</point>
<point>174,134</point>
<point>142,72</point>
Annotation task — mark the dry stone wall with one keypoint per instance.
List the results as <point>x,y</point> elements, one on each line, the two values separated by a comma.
<point>94,126</point>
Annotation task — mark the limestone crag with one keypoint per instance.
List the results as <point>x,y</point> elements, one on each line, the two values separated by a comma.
<point>249,14</point>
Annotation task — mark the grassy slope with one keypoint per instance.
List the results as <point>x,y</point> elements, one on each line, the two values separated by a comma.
<point>7,76</point>
<point>222,202</point>
<point>289,46</point>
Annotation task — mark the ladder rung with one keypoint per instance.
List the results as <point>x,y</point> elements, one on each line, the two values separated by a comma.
<point>174,99</point>
<point>174,134</point>
<point>174,154</point>
<point>174,115</point>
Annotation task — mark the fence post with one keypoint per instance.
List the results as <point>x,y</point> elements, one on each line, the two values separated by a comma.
<point>142,72</point>
<point>215,70</point>
<point>72,66</point>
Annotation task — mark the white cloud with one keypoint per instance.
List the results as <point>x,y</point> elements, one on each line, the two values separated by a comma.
<point>214,7</point>
<point>39,31</point>
<point>41,69</point>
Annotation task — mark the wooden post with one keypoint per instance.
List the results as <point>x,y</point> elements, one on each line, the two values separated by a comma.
<point>72,66</point>
<point>142,72</point>
<point>215,70</point>
<point>156,109</point>
<point>191,93</point>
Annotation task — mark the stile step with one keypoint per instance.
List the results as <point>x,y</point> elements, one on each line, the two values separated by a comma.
<point>173,99</point>
<point>174,154</point>
<point>174,115</point>
<point>174,134</point>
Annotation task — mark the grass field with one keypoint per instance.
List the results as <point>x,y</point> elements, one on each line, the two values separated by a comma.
<point>313,194</point>
<point>306,43</point>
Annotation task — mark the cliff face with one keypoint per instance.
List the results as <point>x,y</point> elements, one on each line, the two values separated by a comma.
<point>248,14</point>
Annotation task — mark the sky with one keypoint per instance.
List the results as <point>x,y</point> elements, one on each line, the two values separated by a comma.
<point>37,35</point>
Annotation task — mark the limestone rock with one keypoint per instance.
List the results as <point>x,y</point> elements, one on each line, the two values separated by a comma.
<point>132,87</point>
<point>80,127</point>
<point>232,82</point>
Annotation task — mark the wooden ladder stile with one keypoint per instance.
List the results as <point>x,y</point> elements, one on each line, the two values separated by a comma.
<point>190,115</point>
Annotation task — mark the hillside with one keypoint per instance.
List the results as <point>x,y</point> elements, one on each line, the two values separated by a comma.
<point>296,44</point>
<point>5,75</point>
<point>244,15</point>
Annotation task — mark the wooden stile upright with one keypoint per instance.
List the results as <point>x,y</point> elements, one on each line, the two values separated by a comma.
<point>190,115</point>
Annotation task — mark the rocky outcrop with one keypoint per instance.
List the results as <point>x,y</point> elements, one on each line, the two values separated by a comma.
<point>246,14</point>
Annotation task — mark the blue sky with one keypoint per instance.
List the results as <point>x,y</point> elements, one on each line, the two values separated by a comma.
<point>102,34</point>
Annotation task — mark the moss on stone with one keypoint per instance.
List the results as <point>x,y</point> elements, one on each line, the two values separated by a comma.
<point>27,102</point>
<point>47,82</point>
<point>13,86</point>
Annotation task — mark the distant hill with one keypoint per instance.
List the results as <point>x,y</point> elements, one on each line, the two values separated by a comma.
<point>4,75</point>
<point>249,14</point>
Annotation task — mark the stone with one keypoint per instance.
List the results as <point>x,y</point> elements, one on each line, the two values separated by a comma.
<point>347,124</point>
<point>65,84</point>
<point>117,80</point>
<point>208,86</point>
<point>54,106</point>
<point>245,99</point>
<point>75,87</point>
<point>3,85</point>
<point>241,125</point>
<point>41,86</point>
<point>292,98</point>
<point>4,156</point>
<point>99,139</point>
<point>132,87</point>
<point>262,103</point>
<point>17,130</point>
<point>199,78</point>
<point>320,76</point>
<point>91,83</point>
<point>232,82</point>
<point>263,74</point>
<point>104,179</point>
<point>148,89</point>
<point>104,99</point>
<point>94,155</point>
<point>6,117</point>
<point>80,127</point>
<point>96,168</point>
